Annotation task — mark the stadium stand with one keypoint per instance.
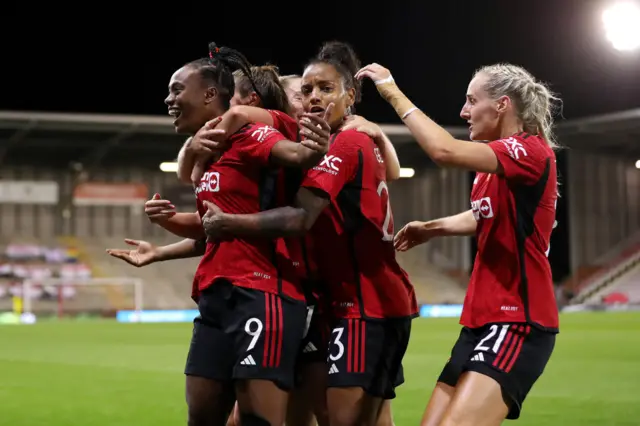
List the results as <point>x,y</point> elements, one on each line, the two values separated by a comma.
<point>590,284</point>
<point>622,279</point>
<point>116,155</point>
<point>37,262</point>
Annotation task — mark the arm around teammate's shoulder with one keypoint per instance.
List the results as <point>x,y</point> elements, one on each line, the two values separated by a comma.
<point>382,141</point>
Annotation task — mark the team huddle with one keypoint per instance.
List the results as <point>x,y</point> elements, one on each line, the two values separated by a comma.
<point>305,314</point>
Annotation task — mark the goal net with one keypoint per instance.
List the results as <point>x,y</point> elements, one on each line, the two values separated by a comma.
<point>61,297</point>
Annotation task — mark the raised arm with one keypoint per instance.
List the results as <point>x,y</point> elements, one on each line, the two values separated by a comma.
<point>440,145</point>
<point>266,146</point>
<point>211,138</point>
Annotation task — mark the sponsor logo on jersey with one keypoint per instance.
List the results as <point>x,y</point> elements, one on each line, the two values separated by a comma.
<point>329,164</point>
<point>482,208</point>
<point>514,148</point>
<point>210,182</point>
<point>261,133</point>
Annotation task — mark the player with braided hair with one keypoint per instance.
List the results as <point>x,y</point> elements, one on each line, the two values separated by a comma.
<point>372,301</point>
<point>250,299</point>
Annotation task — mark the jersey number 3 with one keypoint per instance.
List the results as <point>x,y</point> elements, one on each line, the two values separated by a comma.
<point>386,234</point>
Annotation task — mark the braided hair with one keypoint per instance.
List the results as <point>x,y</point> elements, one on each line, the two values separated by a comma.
<point>218,69</point>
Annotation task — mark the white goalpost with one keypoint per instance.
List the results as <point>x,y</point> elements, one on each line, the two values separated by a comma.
<point>81,295</point>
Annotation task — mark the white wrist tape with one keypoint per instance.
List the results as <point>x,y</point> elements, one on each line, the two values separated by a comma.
<point>384,80</point>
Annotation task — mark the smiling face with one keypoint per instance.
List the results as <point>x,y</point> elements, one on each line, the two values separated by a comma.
<point>190,100</point>
<point>321,85</point>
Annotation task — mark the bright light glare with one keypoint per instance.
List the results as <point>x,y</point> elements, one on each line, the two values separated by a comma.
<point>406,172</point>
<point>638,164</point>
<point>622,25</point>
<point>169,167</point>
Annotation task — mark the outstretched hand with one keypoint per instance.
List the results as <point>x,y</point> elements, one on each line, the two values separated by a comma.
<point>412,234</point>
<point>143,254</point>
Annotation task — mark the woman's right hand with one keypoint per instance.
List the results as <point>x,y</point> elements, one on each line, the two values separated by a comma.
<point>144,253</point>
<point>412,234</point>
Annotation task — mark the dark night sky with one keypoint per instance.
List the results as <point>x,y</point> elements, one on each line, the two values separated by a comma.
<point>116,60</point>
<point>110,60</point>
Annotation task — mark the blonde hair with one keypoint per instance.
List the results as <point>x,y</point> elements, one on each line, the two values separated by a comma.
<point>535,104</point>
<point>285,80</point>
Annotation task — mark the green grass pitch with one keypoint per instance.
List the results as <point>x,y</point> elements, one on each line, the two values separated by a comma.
<point>104,373</point>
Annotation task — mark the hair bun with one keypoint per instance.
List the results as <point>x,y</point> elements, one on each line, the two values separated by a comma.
<point>341,52</point>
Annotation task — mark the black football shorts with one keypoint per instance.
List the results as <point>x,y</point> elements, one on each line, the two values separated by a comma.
<point>245,333</point>
<point>514,355</point>
<point>316,338</point>
<point>368,354</point>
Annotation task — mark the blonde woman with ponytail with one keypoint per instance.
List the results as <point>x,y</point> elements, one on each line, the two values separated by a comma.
<point>509,318</point>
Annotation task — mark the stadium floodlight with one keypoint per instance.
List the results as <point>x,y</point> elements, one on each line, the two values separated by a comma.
<point>406,172</point>
<point>622,25</point>
<point>638,164</point>
<point>169,166</point>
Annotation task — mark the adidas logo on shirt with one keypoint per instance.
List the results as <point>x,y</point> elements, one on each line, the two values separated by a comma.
<point>309,348</point>
<point>248,361</point>
<point>478,357</point>
<point>333,369</point>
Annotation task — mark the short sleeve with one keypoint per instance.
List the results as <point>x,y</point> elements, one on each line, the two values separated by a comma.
<point>285,124</point>
<point>523,159</point>
<point>255,141</point>
<point>339,165</point>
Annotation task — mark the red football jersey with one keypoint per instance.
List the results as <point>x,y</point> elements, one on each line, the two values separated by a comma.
<point>285,124</point>
<point>511,279</point>
<point>301,250</point>
<point>353,237</point>
<point>243,182</point>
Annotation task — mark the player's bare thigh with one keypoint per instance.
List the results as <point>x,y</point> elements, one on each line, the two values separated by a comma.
<point>477,401</point>
<point>352,406</point>
<point>208,401</point>
<point>385,416</point>
<point>308,402</point>
<point>261,400</point>
<point>438,403</point>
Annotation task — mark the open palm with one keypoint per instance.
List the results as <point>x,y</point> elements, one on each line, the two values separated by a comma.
<point>411,235</point>
<point>143,254</point>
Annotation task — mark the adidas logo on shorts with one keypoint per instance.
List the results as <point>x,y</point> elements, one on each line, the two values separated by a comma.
<point>333,369</point>
<point>248,361</point>
<point>478,357</point>
<point>309,348</point>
